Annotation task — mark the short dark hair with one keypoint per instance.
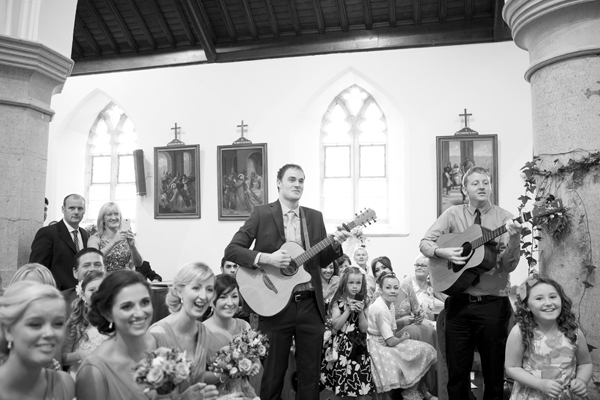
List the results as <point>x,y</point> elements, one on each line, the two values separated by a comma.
<point>383,260</point>
<point>82,253</point>
<point>73,195</point>
<point>344,257</point>
<point>282,170</point>
<point>103,298</point>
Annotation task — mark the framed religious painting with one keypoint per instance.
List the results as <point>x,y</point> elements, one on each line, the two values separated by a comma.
<point>177,182</point>
<point>242,180</point>
<point>455,155</point>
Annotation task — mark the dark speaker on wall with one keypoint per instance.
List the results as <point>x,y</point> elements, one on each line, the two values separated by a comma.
<point>140,175</point>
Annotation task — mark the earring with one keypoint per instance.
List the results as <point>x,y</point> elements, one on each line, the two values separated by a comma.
<point>110,326</point>
<point>9,344</point>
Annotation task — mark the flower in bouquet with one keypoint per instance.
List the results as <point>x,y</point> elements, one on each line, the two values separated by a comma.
<point>162,369</point>
<point>241,357</point>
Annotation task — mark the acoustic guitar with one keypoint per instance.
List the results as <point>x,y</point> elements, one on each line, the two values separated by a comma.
<point>476,242</point>
<point>267,289</point>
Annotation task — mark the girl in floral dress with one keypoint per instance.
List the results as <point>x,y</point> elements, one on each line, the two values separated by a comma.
<point>546,352</point>
<point>348,374</point>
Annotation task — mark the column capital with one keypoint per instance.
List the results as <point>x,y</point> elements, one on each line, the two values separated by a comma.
<point>554,30</point>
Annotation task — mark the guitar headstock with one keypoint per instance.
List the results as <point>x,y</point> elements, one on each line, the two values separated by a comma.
<point>365,217</point>
<point>548,208</point>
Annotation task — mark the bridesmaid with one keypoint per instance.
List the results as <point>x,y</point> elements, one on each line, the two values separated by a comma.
<point>33,316</point>
<point>122,306</point>
<point>189,297</point>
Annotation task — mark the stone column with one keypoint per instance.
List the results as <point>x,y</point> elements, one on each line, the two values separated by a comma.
<point>30,73</point>
<point>563,41</point>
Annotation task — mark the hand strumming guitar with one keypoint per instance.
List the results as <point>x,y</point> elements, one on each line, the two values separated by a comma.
<point>452,254</point>
<point>278,259</point>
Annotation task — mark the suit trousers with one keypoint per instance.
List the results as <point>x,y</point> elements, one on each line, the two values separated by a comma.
<point>482,325</point>
<point>301,321</point>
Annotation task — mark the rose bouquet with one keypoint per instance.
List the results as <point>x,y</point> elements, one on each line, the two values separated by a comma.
<point>240,359</point>
<point>162,369</point>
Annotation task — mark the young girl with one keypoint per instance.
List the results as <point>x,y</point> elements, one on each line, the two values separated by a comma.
<point>350,374</point>
<point>82,338</point>
<point>546,352</point>
<point>397,362</point>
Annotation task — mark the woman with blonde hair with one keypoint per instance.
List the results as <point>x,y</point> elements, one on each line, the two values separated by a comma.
<point>32,319</point>
<point>115,241</point>
<point>189,297</point>
<point>33,272</point>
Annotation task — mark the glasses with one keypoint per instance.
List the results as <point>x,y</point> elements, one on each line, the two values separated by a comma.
<point>422,266</point>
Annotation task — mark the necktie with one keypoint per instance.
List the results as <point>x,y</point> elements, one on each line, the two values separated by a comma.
<point>290,232</point>
<point>477,217</point>
<point>75,240</point>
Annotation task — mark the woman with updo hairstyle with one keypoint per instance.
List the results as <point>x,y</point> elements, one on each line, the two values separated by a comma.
<point>32,320</point>
<point>189,297</point>
<point>33,272</point>
<point>122,305</point>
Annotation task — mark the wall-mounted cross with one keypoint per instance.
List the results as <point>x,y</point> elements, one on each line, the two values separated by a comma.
<point>242,127</point>
<point>176,128</point>
<point>466,117</point>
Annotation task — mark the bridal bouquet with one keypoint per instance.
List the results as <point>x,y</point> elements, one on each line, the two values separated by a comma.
<point>162,369</point>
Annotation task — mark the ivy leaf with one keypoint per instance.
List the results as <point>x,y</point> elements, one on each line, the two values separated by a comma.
<point>525,245</point>
<point>591,348</point>
<point>537,237</point>
<point>587,285</point>
<point>524,199</point>
<point>590,268</point>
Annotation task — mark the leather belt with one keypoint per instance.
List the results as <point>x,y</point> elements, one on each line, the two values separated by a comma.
<point>303,295</point>
<point>477,299</point>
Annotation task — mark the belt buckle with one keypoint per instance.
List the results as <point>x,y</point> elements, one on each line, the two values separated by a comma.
<point>475,299</point>
<point>297,297</point>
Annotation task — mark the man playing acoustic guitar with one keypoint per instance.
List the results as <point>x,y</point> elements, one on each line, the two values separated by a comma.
<point>478,317</point>
<point>269,227</point>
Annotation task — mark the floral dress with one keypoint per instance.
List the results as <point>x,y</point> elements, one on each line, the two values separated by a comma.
<point>548,358</point>
<point>348,374</point>
<point>94,340</point>
<point>118,257</point>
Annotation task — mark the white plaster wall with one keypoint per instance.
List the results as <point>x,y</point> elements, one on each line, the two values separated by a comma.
<point>422,92</point>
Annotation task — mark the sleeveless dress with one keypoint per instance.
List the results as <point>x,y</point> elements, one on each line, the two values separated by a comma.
<point>118,257</point>
<point>117,386</point>
<point>397,367</point>
<point>169,339</point>
<point>548,359</point>
<point>350,374</point>
<point>95,339</point>
<point>56,389</point>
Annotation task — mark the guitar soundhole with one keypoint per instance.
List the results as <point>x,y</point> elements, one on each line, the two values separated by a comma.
<point>467,248</point>
<point>290,270</point>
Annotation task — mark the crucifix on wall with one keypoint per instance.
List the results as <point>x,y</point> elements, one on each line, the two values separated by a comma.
<point>466,130</point>
<point>176,141</point>
<point>242,139</point>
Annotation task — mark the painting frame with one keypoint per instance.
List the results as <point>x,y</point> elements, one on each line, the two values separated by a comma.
<point>176,190</point>
<point>239,190</point>
<point>463,152</point>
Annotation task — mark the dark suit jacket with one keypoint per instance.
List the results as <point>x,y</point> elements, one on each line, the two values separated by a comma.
<point>53,247</point>
<point>264,227</point>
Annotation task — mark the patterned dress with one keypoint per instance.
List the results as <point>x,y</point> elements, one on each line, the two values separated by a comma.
<point>95,339</point>
<point>548,358</point>
<point>350,374</point>
<point>401,366</point>
<point>118,257</point>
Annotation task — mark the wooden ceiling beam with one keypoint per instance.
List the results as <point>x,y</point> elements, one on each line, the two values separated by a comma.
<point>343,15</point>
<point>140,20</point>
<point>392,13</point>
<point>469,10</point>
<point>88,36</point>
<point>184,23</point>
<point>77,50</point>
<point>294,17</point>
<point>227,20</point>
<point>250,20</point>
<point>98,19</point>
<point>272,18</point>
<point>417,12</point>
<point>319,16</point>
<point>443,11</point>
<point>367,13</point>
<point>122,25</point>
<point>194,8</point>
<point>163,23</point>
<point>500,30</point>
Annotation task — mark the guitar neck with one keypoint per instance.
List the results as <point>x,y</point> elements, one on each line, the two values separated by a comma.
<point>316,249</point>
<point>491,235</point>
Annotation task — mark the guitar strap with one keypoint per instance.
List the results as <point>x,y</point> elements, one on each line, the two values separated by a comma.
<point>304,229</point>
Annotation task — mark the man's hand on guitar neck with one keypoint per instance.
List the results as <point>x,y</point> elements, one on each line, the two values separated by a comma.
<point>452,254</point>
<point>279,259</point>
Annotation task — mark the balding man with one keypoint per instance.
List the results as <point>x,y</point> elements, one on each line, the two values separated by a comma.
<point>55,245</point>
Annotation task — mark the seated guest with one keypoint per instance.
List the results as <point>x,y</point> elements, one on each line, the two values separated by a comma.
<point>342,263</point>
<point>33,272</point>
<point>360,258</point>
<point>116,243</point>
<point>329,279</point>
<point>86,261</point>
<point>32,317</point>
<point>82,338</point>
<point>397,361</point>
<point>188,299</point>
<point>426,295</point>
<point>228,267</point>
<point>122,306</point>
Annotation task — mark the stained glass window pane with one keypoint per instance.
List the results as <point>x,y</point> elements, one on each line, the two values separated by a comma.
<point>372,161</point>
<point>337,162</point>
<point>101,169</point>
<point>126,169</point>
